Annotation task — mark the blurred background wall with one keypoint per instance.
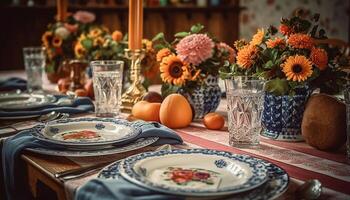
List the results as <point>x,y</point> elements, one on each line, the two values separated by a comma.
<point>24,21</point>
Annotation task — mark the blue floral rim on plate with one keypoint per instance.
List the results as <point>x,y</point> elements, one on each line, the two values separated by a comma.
<point>38,131</point>
<point>258,170</point>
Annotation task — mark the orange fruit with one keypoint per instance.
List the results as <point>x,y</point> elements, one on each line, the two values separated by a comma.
<point>214,121</point>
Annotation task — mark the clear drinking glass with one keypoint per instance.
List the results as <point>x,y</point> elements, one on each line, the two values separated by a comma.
<point>347,101</point>
<point>107,78</point>
<point>245,98</point>
<point>34,61</point>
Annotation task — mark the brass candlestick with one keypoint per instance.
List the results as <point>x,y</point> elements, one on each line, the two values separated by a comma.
<point>136,91</point>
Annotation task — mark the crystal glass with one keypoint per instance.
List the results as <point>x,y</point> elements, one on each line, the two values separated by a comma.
<point>347,100</point>
<point>34,61</point>
<point>107,76</point>
<point>245,98</point>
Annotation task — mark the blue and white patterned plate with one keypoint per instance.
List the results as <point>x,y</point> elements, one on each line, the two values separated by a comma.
<point>211,172</point>
<point>20,101</point>
<point>138,144</point>
<point>86,132</point>
<point>276,185</point>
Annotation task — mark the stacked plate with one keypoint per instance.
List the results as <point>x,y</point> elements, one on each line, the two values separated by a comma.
<point>23,101</point>
<point>201,173</point>
<point>88,137</point>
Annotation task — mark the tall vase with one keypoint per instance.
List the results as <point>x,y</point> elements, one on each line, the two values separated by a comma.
<point>282,115</point>
<point>205,98</point>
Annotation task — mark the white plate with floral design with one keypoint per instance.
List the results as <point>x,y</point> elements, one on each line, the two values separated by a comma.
<point>194,172</point>
<point>86,132</point>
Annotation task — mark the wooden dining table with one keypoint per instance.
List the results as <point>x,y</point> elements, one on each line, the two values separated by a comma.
<point>301,161</point>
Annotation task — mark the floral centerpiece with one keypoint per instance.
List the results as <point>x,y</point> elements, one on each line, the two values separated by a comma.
<point>59,40</point>
<point>189,65</point>
<point>99,44</point>
<point>293,64</point>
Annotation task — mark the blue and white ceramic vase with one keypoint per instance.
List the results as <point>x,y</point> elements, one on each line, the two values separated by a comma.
<point>205,98</point>
<point>282,115</point>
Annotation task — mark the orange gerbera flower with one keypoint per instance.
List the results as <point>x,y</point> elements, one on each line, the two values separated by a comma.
<point>258,37</point>
<point>46,38</point>
<point>285,30</point>
<point>276,42</point>
<point>319,57</point>
<point>117,36</point>
<point>297,68</point>
<point>246,56</point>
<point>300,41</point>
<point>57,41</point>
<point>163,53</point>
<point>173,70</point>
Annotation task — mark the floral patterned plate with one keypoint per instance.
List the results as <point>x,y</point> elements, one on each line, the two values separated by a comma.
<point>138,144</point>
<point>86,132</point>
<point>194,172</point>
<point>276,185</point>
<point>20,101</point>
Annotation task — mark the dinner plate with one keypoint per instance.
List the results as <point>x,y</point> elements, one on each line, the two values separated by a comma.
<point>138,144</point>
<point>274,187</point>
<point>20,101</point>
<point>86,132</point>
<point>194,172</point>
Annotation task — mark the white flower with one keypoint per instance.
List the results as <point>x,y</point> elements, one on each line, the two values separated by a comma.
<point>62,32</point>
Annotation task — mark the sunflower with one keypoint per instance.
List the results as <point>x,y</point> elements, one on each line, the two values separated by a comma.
<point>147,44</point>
<point>173,70</point>
<point>239,44</point>
<point>163,53</point>
<point>276,42</point>
<point>285,30</point>
<point>56,41</point>
<point>98,41</point>
<point>300,41</point>
<point>246,56</point>
<point>79,50</point>
<point>258,37</point>
<point>46,38</point>
<point>319,57</point>
<point>95,32</point>
<point>297,68</point>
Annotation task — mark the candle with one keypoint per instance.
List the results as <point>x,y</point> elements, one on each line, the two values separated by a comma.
<point>62,6</point>
<point>135,24</point>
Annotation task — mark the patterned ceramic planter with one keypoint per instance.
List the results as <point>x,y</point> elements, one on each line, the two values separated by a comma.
<point>204,99</point>
<point>282,116</point>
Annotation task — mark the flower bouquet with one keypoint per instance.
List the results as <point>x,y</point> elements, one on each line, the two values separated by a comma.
<point>189,65</point>
<point>59,40</point>
<point>293,64</point>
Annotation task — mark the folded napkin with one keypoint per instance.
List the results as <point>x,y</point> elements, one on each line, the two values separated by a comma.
<point>63,105</point>
<point>13,83</point>
<point>119,189</point>
<point>13,168</point>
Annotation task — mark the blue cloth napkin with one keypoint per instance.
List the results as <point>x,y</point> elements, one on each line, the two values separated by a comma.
<point>13,83</point>
<point>13,168</point>
<point>78,105</point>
<point>119,189</point>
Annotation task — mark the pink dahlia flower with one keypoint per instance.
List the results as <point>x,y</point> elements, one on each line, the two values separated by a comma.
<point>84,17</point>
<point>195,48</point>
